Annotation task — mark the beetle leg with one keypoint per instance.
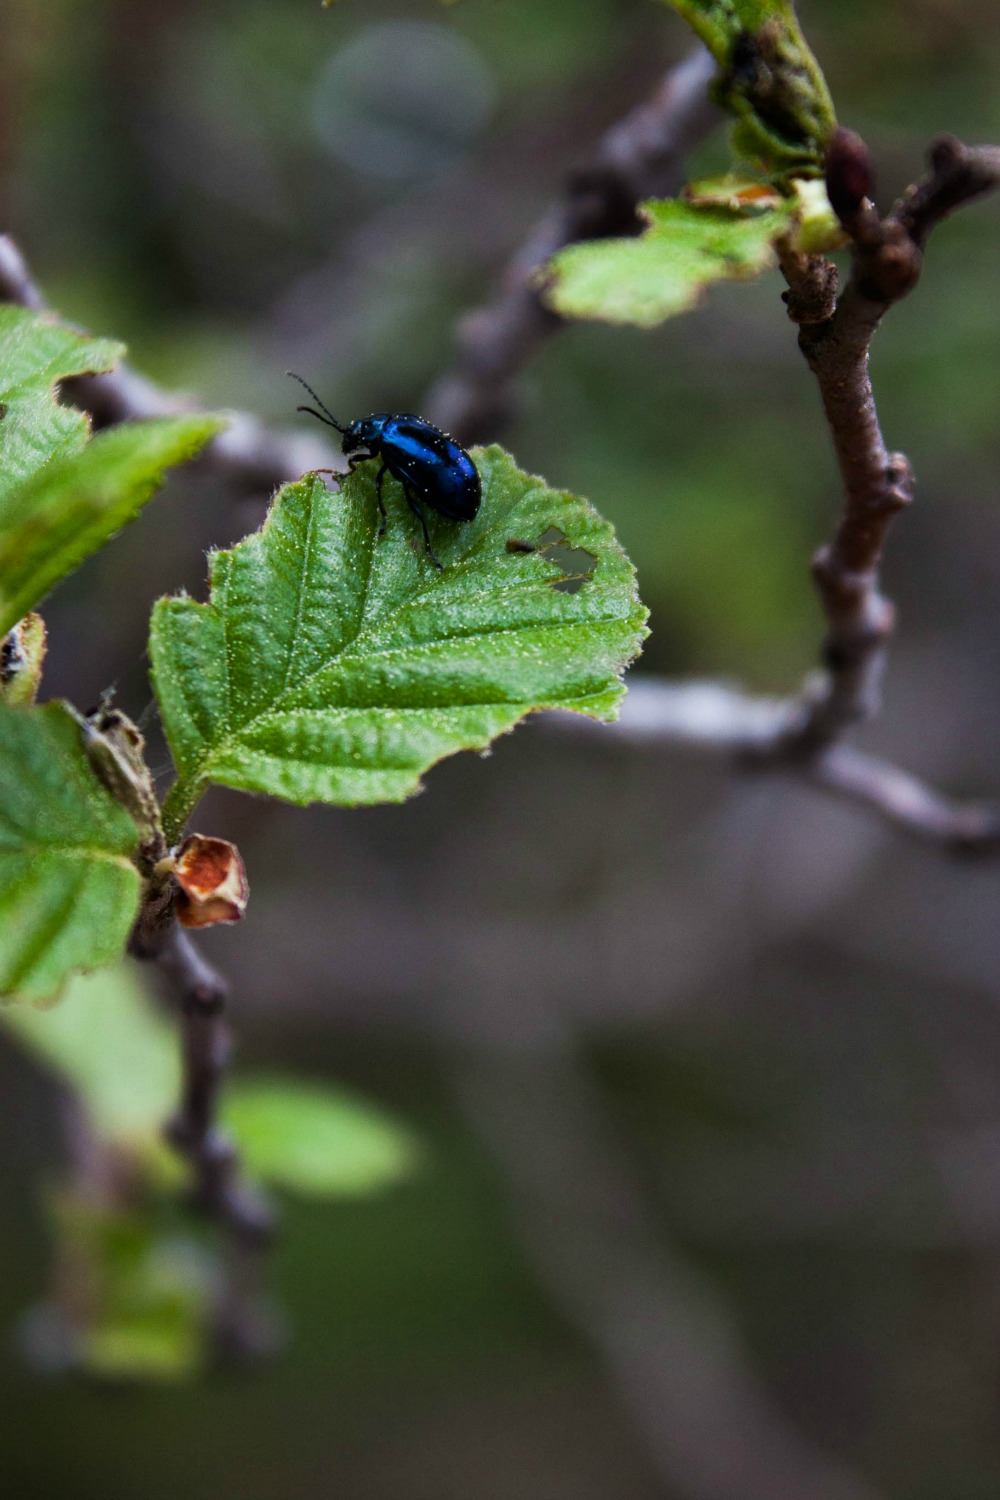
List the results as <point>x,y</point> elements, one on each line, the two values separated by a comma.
<point>414,505</point>
<point>381,503</point>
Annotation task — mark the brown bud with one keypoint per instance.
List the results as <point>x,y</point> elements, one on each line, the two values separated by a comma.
<point>212,882</point>
<point>850,174</point>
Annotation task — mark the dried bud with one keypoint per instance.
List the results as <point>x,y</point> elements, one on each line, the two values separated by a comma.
<point>22,651</point>
<point>850,174</point>
<point>212,882</point>
<point>116,751</point>
<point>732,191</point>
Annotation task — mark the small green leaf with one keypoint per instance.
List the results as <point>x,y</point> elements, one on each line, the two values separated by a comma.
<point>331,667</point>
<point>769,79</point>
<point>665,270</point>
<point>68,889</point>
<point>118,1052</point>
<point>74,505</point>
<point>318,1141</point>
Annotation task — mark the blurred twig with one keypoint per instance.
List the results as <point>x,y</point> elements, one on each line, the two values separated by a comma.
<point>709,1426</point>
<point>958,174</point>
<point>247,454</point>
<point>220,1191</point>
<point>640,157</point>
<point>761,733</point>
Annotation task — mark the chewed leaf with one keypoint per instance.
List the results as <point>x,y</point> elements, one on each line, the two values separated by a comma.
<point>61,495</point>
<point>68,888</point>
<point>330,666</point>
<point>769,80</point>
<point>664,271</point>
<point>37,351</point>
<point>738,193</point>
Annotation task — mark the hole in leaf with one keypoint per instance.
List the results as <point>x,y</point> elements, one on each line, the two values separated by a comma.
<point>577,563</point>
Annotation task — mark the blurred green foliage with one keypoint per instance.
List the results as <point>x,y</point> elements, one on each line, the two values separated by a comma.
<point>315,1141</point>
<point>121,1054</point>
<point>146,1286</point>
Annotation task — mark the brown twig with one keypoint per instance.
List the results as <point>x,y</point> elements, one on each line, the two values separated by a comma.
<point>905,802</point>
<point>639,157</point>
<point>835,336</point>
<point>247,454</point>
<point>958,174</point>
<point>220,1191</point>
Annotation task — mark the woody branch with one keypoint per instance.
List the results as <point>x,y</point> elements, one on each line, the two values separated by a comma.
<point>836,327</point>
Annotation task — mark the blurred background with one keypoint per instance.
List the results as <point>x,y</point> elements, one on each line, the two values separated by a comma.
<point>706,1069</point>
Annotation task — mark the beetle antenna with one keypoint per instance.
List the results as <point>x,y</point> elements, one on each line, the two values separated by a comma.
<point>324,415</point>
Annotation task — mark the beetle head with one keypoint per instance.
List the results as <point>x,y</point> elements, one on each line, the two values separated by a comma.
<point>362,438</point>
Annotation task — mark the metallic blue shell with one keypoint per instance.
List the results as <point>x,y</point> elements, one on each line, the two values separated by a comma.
<point>426,461</point>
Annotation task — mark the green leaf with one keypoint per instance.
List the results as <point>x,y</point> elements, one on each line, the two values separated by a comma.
<point>330,667</point>
<point>109,1042</point>
<point>36,351</point>
<point>68,889</point>
<point>665,270</point>
<point>769,79</point>
<point>317,1141</point>
<point>62,497</point>
<point>75,505</point>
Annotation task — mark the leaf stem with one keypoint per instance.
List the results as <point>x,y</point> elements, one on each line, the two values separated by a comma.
<point>178,805</point>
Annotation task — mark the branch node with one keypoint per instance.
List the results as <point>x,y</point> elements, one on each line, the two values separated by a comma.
<point>813,282</point>
<point>850,181</point>
<point>946,153</point>
<point>207,998</point>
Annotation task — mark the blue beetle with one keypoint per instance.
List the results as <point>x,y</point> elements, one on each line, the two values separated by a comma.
<point>430,466</point>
